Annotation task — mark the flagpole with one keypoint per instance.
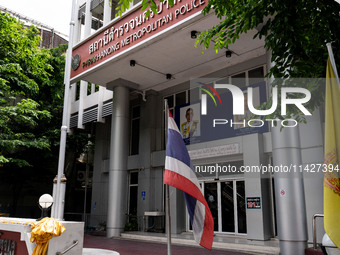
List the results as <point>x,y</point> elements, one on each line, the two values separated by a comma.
<point>60,196</point>
<point>167,193</point>
<point>331,57</point>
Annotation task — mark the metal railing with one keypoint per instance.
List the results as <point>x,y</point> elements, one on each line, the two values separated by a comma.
<point>75,242</point>
<point>314,229</point>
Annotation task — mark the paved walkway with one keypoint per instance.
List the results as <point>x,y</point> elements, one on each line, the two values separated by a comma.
<point>133,247</point>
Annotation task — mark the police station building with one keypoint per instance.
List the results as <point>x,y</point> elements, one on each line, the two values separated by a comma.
<point>124,68</point>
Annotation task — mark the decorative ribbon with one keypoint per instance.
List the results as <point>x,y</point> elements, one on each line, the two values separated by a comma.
<point>42,232</point>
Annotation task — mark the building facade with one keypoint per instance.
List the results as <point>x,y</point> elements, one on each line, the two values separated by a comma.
<point>125,67</point>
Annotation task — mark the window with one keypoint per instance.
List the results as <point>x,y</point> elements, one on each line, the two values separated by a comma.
<point>133,193</point>
<point>180,98</point>
<point>256,75</point>
<point>135,122</point>
<point>239,80</point>
<point>77,91</point>
<point>89,88</point>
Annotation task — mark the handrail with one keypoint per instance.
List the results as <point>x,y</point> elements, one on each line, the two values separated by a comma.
<point>75,242</point>
<point>314,229</point>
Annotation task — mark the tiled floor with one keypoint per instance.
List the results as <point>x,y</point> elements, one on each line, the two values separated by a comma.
<point>134,247</point>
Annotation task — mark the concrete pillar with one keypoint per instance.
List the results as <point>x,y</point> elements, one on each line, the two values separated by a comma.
<point>106,20</point>
<point>312,153</point>
<point>77,27</point>
<point>88,18</point>
<point>117,192</point>
<point>289,191</point>
<point>259,221</point>
<point>289,187</point>
<point>107,11</point>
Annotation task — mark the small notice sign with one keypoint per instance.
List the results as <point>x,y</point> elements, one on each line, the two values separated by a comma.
<point>253,203</point>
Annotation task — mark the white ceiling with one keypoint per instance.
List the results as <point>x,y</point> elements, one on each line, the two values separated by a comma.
<point>174,52</point>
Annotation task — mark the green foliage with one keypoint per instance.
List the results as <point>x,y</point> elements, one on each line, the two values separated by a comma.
<point>131,223</point>
<point>296,32</point>
<point>148,5</point>
<point>30,92</point>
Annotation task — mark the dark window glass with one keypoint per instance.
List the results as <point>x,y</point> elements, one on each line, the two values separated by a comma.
<point>170,101</point>
<point>133,200</point>
<point>241,208</point>
<point>210,194</point>
<point>77,90</point>
<point>135,112</point>
<point>256,75</point>
<point>134,178</point>
<point>135,137</point>
<point>181,98</point>
<point>239,80</point>
<point>227,200</point>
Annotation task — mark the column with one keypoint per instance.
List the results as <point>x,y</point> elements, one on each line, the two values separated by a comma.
<point>77,27</point>
<point>117,191</point>
<point>289,188</point>
<point>289,192</point>
<point>88,18</point>
<point>102,90</point>
<point>259,221</point>
<point>107,11</point>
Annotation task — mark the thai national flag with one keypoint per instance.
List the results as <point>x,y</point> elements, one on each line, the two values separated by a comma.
<point>179,174</point>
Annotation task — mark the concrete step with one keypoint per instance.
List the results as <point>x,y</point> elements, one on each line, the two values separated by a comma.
<point>241,247</point>
<point>311,251</point>
<point>91,251</point>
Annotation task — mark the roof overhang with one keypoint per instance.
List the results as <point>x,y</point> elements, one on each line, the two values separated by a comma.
<point>168,49</point>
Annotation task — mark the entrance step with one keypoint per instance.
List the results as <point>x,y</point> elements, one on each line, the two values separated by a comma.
<point>222,243</point>
<point>90,251</point>
<point>311,251</point>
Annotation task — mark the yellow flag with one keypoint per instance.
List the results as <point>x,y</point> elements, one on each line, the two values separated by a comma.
<point>332,155</point>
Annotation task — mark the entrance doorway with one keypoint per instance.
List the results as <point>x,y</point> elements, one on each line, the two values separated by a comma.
<point>226,200</point>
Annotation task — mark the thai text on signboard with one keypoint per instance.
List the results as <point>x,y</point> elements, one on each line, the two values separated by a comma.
<point>7,247</point>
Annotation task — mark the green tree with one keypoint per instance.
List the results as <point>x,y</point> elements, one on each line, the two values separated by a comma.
<point>31,105</point>
<point>22,67</point>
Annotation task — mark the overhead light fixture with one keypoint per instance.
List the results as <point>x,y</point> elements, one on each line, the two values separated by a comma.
<point>168,76</point>
<point>193,34</point>
<point>132,63</point>
<point>228,54</point>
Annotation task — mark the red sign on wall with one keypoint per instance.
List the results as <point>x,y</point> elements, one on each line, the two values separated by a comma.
<point>130,31</point>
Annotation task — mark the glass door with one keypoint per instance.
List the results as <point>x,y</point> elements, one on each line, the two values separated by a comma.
<point>211,196</point>
<point>226,200</point>
<point>241,208</point>
<point>228,208</point>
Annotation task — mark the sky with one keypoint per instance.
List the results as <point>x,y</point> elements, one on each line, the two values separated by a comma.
<point>55,14</point>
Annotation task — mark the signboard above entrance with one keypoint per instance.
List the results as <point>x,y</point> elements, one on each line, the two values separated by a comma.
<point>130,31</point>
